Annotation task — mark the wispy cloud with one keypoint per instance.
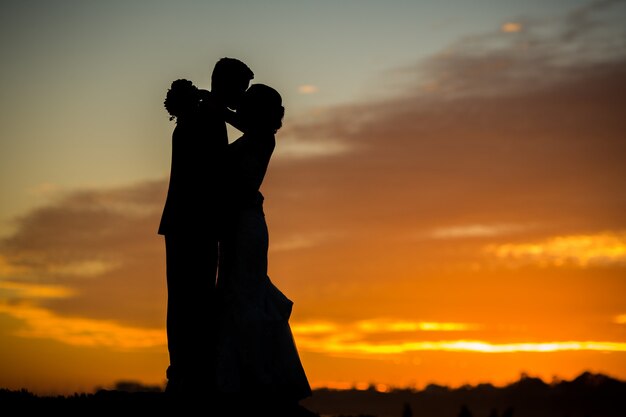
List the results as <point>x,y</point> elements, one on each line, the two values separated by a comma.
<point>42,323</point>
<point>585,19</point>
<point>353,338</point>
<point>72,256</point>
<point>486,144</point>
<point>387,326</point>
<point>295,148</point>
<point>44,189</point>
<point>23,290</point>
<point>308,89</point>
<point>87,268</point>
<point>339,346</point>
<point>511,27</point>
<point>10,269</point>
<point>539,54</point>
<point>303,241</point>
<point>579,250</point>
<point>476,231</point>
<point>380,326</point>
<point>318,327</point>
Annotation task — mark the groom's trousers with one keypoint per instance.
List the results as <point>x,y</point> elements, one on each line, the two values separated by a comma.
<point>191,262</point>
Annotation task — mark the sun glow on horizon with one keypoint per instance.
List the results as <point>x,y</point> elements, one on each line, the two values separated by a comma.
<point>479,346</point>
<point>326,337</point>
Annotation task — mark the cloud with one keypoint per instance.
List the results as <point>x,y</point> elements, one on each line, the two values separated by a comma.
<point>511,27</point>
<point>320,327</point>
<point>578,250</point>
<point>585,19</point>
<point>21,290</point>
<point>512,130</point>
<point>85,268</point>
<point>294,148</point>
<point>8,269</point>
<point>76,331</point>
<point>475,231</point>
<point>542,52</point>
<point>84,251</point>
<point>478,346</point>
<point>379,325</point>
<point>44,189</point>
<point>375,326</point>
<point>352,339</point>
<point>297,242</point>
<point>308,89</point>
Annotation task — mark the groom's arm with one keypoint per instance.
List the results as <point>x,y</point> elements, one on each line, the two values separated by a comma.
<point>212,119</point>
<point>208,105</point>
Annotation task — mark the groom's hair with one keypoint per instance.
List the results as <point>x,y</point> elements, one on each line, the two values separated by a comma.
<point>227,70</point>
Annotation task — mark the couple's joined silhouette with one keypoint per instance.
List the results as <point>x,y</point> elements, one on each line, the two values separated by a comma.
<point>227,324</point>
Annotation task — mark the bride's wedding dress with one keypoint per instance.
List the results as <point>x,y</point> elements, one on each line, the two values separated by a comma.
<point>256,352</point>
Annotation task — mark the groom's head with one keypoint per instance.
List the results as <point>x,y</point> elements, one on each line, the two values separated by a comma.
<point>230,79</point>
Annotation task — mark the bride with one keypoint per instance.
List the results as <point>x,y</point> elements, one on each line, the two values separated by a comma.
<point>257,357</point>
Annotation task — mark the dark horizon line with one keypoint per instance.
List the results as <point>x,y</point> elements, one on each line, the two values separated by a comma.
<point>585,377</point>
<point>128,386</point>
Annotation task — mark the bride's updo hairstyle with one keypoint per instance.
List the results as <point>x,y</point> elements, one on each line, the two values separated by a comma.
<point>261,109</point>
<point>181,99</point>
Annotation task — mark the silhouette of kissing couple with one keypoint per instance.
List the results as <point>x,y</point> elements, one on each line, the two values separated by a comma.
<point>228,333</point>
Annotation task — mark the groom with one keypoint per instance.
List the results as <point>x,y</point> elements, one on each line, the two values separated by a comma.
<point>190,222</point>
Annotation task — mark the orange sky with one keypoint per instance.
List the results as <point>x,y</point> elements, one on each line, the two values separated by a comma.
<point>466,228</point>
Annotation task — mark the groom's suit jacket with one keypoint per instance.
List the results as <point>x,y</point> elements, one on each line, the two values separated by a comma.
<point>199,142</point>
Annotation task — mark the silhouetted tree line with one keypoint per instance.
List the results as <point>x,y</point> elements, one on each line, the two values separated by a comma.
<point>589,395</point>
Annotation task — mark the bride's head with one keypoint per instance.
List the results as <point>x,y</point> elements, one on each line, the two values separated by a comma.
<point>261,110</point>
<point>182,99</point>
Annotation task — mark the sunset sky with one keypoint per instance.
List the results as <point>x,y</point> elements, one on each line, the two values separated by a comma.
<point>446,203</point>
